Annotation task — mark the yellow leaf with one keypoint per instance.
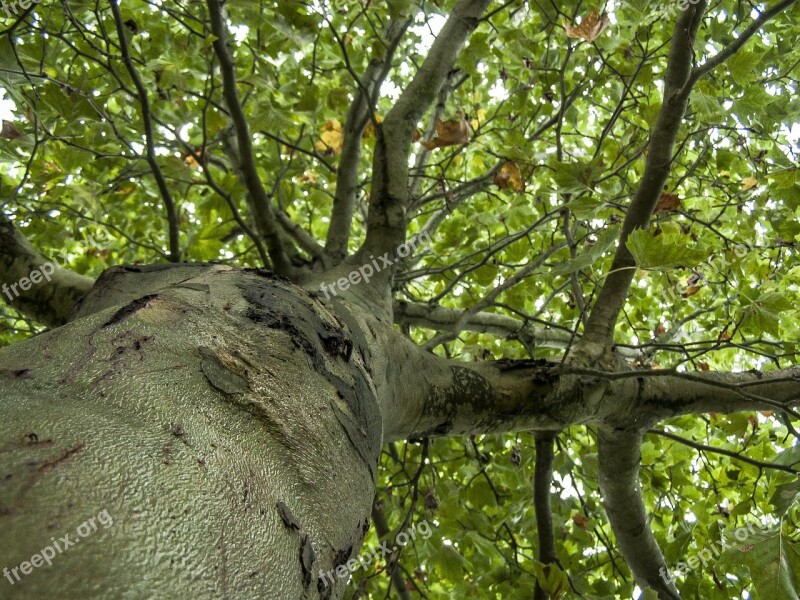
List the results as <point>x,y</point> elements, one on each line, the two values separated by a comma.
<point>331,138</point>
<point>748,183</point>
<point>450,133</point>
<point>480,117</point>
<point>369,130</point>
<point>309,177</point>
<point>591,27</point>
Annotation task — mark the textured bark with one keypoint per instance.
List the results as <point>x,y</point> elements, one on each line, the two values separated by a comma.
<point>227,423</point>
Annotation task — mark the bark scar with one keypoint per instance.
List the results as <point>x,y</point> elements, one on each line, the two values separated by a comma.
<point>129,309</point>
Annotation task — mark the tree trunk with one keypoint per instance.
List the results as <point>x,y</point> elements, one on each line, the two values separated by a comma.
<point>217,436</point>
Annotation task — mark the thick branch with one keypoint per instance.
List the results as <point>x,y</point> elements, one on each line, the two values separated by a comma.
<point>49,300</point>
<point>619,454</point>
<point>460,398</point>
<point>387,219</point>
<point>677,87</point>
<point>740,41</point>
<point>261,202</point>
<point>358,117</point>
<point>542,481</point>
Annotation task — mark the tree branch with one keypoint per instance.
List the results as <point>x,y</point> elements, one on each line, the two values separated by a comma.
<point>735,455</point>
<point>49,302</point>
<point>677,88</point>
<point>739,42</point>
<point>147,122</point>
<point>619,454</point>
<point>440,318</point>
<point>542,480</point>
<point>359,115</point>
<point>387,218</point>
<point>464,398</point>
<point>261,202</point>
<point>383,531</point>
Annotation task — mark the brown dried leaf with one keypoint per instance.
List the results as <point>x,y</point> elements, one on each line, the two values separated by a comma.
<point>668,203</point>
<point>580,520</point>
<point>9,131</point>
<point>510,177</point>
<point>591,27</point>
<point>309,178</point>
<point>691,291</point>
<point>450,133</point>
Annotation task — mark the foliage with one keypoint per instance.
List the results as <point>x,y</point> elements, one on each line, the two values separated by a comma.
<point>540,146</point>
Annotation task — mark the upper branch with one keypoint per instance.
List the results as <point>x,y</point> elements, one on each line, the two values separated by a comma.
<point>359,115</point>
<point>261,202</point>
<point>677,88</point>
<point>440,318</point>
<point>739,42</point>
<point>147,121</point>
<point>387,219</point>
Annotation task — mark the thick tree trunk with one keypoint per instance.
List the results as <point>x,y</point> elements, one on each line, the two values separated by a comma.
<point>224,427</point>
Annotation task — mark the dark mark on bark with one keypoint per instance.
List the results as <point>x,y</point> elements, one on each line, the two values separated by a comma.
<point>337,344</point>
<point>342,556</point>
<point>15,373</point>
<point>438,431</point>
<point>33,440</point>
<point>52,464</point>
<point>129,309</point>
<point>361,420</point>
<point>323,589</point>
<point>196,287</point>
<point>287,517</point>
<point>306,560</point>
<point>266,273</point>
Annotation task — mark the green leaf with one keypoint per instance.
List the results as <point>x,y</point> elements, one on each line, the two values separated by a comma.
<point>590,256</point>
<point>663,252</point>
<point>772,559</point>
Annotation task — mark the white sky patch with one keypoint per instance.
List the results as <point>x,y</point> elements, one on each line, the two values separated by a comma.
<point>6,106</point>
<point>427,31</point>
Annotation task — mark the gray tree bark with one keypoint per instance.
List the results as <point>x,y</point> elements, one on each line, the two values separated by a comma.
<point>225,420</point>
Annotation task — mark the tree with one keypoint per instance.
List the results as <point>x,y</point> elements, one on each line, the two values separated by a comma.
<point>506,290</point>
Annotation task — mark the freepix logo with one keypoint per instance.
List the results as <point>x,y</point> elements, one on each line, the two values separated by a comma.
<point>13,8</point>
<point>367,558</point>
<point>365,272</point>
<point>46,270</point>
<point>48,553</point>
